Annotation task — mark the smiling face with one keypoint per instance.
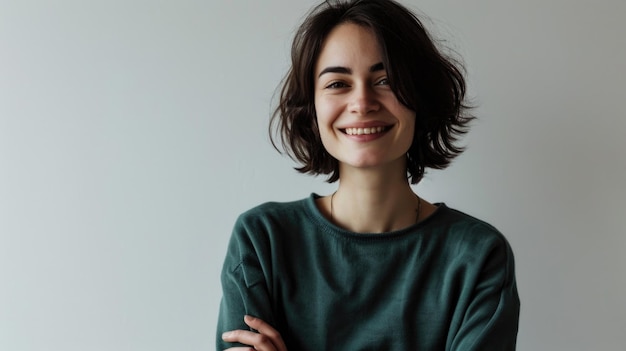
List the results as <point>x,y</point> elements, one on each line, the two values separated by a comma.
<point>361,122</point>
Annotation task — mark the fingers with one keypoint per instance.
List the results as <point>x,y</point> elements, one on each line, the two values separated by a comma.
<point>266,329</point>
<point>258,341</point>
<point>267,338</point>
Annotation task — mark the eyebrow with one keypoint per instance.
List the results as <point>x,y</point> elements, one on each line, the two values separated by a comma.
<point>345,70</point>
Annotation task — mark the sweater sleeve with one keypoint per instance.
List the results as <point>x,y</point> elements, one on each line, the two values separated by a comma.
<point>490,321</point>
<point>244,285</point>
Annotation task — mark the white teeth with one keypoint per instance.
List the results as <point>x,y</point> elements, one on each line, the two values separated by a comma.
<point>361,131</point>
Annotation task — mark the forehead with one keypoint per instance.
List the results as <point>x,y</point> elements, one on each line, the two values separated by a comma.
<point>349,45</point>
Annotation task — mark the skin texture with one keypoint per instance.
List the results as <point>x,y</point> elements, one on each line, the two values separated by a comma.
<point>358,95</point>
<point>267,338</point>
<point>352,91</point>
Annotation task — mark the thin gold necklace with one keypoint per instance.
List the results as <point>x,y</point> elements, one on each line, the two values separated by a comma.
<point>417,211</point>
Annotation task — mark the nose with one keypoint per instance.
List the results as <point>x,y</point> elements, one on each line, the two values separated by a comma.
<point>363,100</point>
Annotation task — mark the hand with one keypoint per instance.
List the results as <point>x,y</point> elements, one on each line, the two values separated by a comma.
<point>267,338</point>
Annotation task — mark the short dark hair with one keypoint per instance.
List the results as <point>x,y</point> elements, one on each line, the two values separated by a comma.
<point>422,78</point>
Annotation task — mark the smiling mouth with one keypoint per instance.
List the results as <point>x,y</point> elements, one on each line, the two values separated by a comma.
<point>365,131</point>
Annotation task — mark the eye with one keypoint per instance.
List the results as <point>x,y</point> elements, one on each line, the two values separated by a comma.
<point>383,81</point>
<point>336,85</point>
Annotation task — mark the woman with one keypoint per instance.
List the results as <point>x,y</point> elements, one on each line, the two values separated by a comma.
<point>371,102</point>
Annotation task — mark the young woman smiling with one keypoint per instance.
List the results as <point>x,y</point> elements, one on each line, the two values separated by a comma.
<point>371,102</point>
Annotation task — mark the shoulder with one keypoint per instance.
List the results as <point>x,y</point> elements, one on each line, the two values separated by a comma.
<point>464,231</point>
<point>271,221</point>
<point>258,230</point>
<point>462,221</point>
<point>474,246</point>
<point>269,212</point>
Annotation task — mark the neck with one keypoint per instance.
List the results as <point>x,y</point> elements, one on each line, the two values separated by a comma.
<point>373,203</point>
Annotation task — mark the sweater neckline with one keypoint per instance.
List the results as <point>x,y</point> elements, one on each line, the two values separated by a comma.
<point>332,228</point>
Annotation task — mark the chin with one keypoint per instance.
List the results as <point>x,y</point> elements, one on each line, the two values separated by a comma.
<point>375,161</point>
<point>365,162</point>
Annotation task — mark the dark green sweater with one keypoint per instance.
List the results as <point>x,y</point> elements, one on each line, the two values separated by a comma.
<point>447,283</point>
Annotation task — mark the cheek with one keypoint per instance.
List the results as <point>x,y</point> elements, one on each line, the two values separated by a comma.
<point>324,126</point>
<point>326,110</point>
<point>409,131</point>
<point>323,130</point>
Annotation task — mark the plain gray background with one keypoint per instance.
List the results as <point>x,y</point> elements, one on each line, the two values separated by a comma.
<point>132,133</point>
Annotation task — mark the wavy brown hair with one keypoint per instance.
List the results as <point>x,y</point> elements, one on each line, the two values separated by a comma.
<point>421,76</point>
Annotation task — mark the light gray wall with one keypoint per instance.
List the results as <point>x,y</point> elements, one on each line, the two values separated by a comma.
<point>132,133</point>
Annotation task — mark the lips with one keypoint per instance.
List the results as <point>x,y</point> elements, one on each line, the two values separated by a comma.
<point>370,129</point>
<point>364,131</point>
